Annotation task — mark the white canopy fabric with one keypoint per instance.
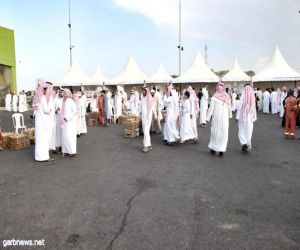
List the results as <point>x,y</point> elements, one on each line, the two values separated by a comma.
<point>198,72</point>
<point>276,70</point>
<point>74,77</point>
<point>130,75</point>
<point>98,78</point>
<point>161,76</point>
<point>236,74</point>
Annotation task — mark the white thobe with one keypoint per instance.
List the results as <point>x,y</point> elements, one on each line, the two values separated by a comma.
<point>233,100</point>
<point>220,113</point>
<point>69,129</point>
<point>186,131</point>
<point>158,105</point>
<point>15,103</point>
<point>266,102</point>
<point>194,110</point>
<point>118,105</point>
<point>58,105</point>
<point>245,124</point>
<point>82,109</point>
<point>259,102</point>
<point>108,105</point>
<point>22,103</point>
<point>42,131</point>
<point>93,105</point>
<point>203,106</point>
<point>146,120</point>
<point>282,97</point>
<point>52,144</point>
<point>8,102</point>
<point>170,128</point>
<point>134,104</point>
<point>274,103</point>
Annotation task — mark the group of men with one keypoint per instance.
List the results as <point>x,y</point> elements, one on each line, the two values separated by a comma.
<point>60,116</point>
<point>271,101</point>
<point>182,112</point>
<point>59,120</point>
<point>15,102</point>
<point>285,103</point>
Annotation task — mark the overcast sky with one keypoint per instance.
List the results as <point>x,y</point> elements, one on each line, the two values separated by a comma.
<point>106,33</point>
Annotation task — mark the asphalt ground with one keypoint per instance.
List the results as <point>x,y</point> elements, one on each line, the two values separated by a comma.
<point>113,196</point>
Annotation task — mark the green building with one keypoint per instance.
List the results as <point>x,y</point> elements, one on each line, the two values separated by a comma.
<point>8,79</point>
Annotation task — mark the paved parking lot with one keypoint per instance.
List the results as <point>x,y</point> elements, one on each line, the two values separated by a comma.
<point>112,196</point>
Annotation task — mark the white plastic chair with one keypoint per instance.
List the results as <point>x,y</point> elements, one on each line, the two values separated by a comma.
<point>18,120</point>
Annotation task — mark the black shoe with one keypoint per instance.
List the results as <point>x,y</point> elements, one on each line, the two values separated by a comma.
<point>72,155</point>
<point>221,154</point>
<point>245,148</point>
<point>212,152</point>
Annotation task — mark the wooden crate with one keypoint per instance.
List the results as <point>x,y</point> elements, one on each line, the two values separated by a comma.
<point>18,141</point>
<point>92,122</point>
<point>131,125</point>
<point>131,133</point>
<point>5,136</point>
<point>94,115</point>
<point>29,132</point>
<point>122,119</point>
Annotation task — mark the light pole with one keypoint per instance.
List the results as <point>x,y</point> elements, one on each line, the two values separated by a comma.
<point>180,47</point>
<point>70,34</point>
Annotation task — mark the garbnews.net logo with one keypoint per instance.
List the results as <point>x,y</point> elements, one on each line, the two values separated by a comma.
<point>13,242</point>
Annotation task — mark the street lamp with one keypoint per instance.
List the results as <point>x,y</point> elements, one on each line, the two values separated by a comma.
<point>180,47</point>
<point>70,34</point>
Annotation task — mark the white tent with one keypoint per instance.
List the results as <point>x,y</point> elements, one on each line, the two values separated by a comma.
<point>161,76</point>
<point>74,77</point>
<point>98,78</point>
<point>130,75</point>
<point>236,74</point>
<point>276,70</point>
<point>198,72</point>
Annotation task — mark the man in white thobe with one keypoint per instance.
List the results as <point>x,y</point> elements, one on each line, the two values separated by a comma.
<point>157,115</point>
<point>69,125</point>
<point>82,112</point>
<point>194,111</point>
<point>171,101</point>
<point>220,111</point>
<point>186,131</point>
<point>118,104</point>
<point>259,95</point>
<point>283,95</point>
<point>108,106</point>
<point>15,102</point>
<point>58,100</point>
<point>146,110</point>
<point>246,116</point>
<point>8,100</point>
<point>93,105</point>
<point>203,107</point>
<point>134,103</point>
<point>233,100</point>
<point>266,101</point>
<point>274,102</point>
<point>50,97</point>
<point>22,102</point>
<point>42,124</point>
